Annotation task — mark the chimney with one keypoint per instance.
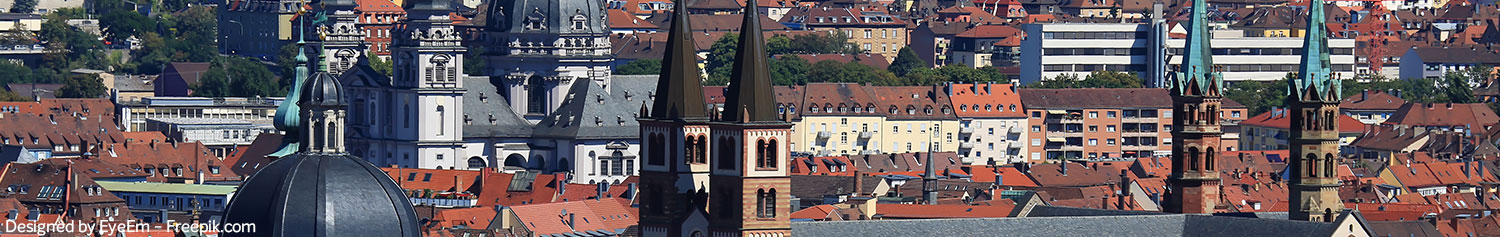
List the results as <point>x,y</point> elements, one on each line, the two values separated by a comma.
<point>989,87</point>
<point>571,220</point>
<point>1364,95</point>
<point>12,214</point>
<point>559,179</point>
<point>859,182</point>
<point>999,178</point>
<point>1064,166</point>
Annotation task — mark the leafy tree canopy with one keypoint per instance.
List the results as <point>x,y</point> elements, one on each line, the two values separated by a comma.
<point>640,67</point>
<point>81,86</point>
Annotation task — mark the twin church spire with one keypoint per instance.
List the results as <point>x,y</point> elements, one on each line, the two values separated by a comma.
<point>1314,79</point>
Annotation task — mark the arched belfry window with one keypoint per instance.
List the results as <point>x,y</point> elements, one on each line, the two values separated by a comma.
<point>1192,158</point>
<point>1208,159</point>
<point>1312,165</point>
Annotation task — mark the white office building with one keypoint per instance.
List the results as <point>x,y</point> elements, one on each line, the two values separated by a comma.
<point>1264,58</point>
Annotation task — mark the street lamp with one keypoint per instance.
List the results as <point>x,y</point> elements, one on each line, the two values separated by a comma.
<point>241,34</point>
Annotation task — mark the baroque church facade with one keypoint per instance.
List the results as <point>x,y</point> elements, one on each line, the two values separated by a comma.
<point>548,102</point>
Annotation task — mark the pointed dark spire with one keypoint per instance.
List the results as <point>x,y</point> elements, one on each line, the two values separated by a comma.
<point>1315,76</point>
<point>679,93</point>
<point>749,98</point>
<point>929,179</point>
<point>1196,75</point>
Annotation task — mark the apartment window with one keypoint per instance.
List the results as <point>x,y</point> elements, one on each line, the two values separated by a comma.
<point>1093,128</point>
<point>868,34</point>
<point>1110,128</point>
<point>1094,114</point>
<point>1166,114</point>
<point>1235,114</point>
<point>866,46</point>
<point>1110,142</point>
<point>1093,142</point>
<point>1036,141</point>
<point>1036,128</point>
<point>992,131</point>
<point>1109,114</point>
<point>1036,114</point>
<point>992,146</point>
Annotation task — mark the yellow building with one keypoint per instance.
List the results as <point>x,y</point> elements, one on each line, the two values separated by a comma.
<point>849,119</point>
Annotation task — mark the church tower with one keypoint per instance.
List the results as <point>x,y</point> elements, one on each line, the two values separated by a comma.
<point>674,179</point>
<point>427,94</point>
<point>541,47</point>
<point>750,166</point>
<point>343,41</point>
<point>1313,96</point>
<point>1197,88</point>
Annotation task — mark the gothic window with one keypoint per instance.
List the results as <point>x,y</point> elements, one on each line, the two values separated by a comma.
<point>1309,120</point>
<point>692,149</point>
<point>702,149</point>
<point>1208,159</point>
<point>1311,163</point>
<point>442,120</point>
<point>1328,120</point>
<point>765,203</point>
<point>1192,158</point>
<point>760,150</point>
<point>536,95</point>
<point>1328,164</point>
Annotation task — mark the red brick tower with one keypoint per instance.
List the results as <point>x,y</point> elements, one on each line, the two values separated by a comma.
<point>750,166</point>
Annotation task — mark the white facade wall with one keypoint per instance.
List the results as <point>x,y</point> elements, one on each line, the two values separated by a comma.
<point>1342,57</point>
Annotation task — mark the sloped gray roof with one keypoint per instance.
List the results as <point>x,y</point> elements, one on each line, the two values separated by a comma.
<point>1131,225</point>
<point>487,114</point>
<point>592,113</point>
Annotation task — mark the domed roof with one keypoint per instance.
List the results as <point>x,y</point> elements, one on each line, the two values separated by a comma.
<point>547,16</point>
<point>322,90</point>
<point>322,194</point>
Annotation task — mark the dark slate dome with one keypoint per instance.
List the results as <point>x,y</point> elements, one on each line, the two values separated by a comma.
<point>322,194</point>
<point>322,90</point>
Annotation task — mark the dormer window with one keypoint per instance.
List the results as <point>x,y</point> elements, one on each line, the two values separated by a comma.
<point>578,22</point>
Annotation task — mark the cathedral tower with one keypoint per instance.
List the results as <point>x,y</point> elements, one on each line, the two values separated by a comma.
<point>1197,88</point>
<point>423,107</point>
<point>674,179</point>
<point>750,164</point>
<point>1313,96</point>
<point>342,40</point>
<point>541,47</point>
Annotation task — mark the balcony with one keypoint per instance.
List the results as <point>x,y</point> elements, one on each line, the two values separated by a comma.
<point>1071,147</point>
<point>866,135</point>
<point>1015,145</point>
<point>1138,147</point>
<point>966,130</point>
<point>1065,133</point>
<point>824,153</point>
<point>824,134</point>
<point>1138,133</point>
<point>1014,130</point>
<point>966,145</point>
<point>869,152</point>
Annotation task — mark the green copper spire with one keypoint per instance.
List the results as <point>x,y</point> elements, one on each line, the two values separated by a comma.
<point>679,93</point>
<point>287,119</point>
<point>1196,76</point>
<point>749,98</point>
<point>1314,81</point>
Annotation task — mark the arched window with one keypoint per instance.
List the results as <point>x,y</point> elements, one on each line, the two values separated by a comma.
<point>760,203</point>
<point>476,162</point>
<point>771,154</point>
<point>760,146</point>
<point>1312,165</point>
<point>442,120</point>
<point>536,92</point>
<point>1309,120</point>
<point>1192,158</point>
<point>1212,114</point>
<point>333,135</point>
<point>1328,120</point>
<point>765,203</point>
<point>702,149</point>
<point>692,149</point>
<point>1208,159</point>
<point>1328,165</point>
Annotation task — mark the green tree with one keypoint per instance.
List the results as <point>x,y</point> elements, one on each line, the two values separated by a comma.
<point>1258,96</point>
<point>7,96</point>
<point>640,67</point>
<point>195,29</point>
<point>237,77</point>
<point>474,63</point>
<point>789,70</point>
<point>23,6</point>
<point>380,65</point>
<point>14,73</point>
<point>153,55</point>
<point>906,62</point>
<point>82,86</point>
<point>1458,85</point>
<point>1113,79</point>
<point>721,58</point>
<point>121,25</point>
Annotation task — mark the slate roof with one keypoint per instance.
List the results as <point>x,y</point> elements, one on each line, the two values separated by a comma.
<point>1137,225</point>
<point>1462,55</point>
<point>487,114</point>
<point>25,90</point>
<point>590,112</point>
<point>1403,228</point>
<point>815,187</point>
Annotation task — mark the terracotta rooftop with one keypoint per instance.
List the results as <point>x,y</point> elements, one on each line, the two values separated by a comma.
<point>1372,100</point>
<point>1280,119</point>
<point>1444,115</point>
<point>997,100</point>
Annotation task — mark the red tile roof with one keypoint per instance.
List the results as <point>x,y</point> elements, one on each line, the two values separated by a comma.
<point>969,98</point>
<point>589,215</point>
<point>1282,120</point>
<point>619,19</point>
<point>171,160</point>
<point>432,179</point>
<point>1011,177</point>
<point>1433,114</point>
<point>385,6</point>
<point>1372,100</point>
